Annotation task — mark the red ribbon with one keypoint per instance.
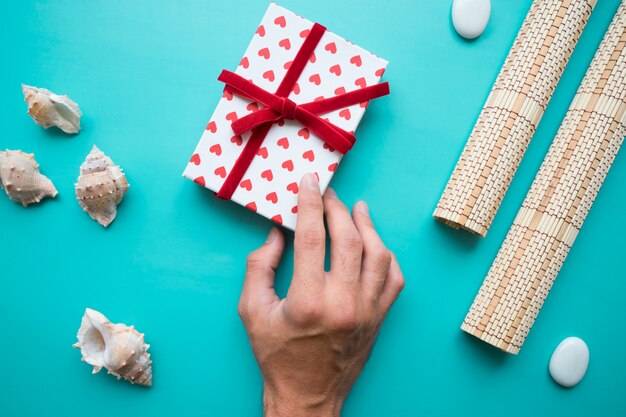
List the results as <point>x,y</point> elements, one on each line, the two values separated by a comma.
<point>279,107</point>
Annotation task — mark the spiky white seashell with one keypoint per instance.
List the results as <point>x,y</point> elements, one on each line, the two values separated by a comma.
<point>101,186</point>
<point>48,109</point>
<point>21,179</point>
<point>118,348</point>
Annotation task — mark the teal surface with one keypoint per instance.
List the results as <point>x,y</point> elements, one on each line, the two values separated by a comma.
<point>144,73</point>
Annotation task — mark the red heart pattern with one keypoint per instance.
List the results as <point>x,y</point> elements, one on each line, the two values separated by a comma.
<point>271,184</point>
<point>232,116</point>
<point>195,159</point>
<point>220,172</point>
<point>293,187</point>
<point>269,75</point>
<point>247,184</point>
<point>283,143</point>
<point>216,149</point>
<point>315,79</point>
<point>262,152</point>
<point>267,174</point>
<point>272,197</point>
<point>264,52</point>
<point>310,155</point>
<point>237,140</point>
<point>285,43</point>
<point>280,21</point>
<point>288,165</point>
<point>304,133</point>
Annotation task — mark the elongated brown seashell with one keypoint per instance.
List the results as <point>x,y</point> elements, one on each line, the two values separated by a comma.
<point>48,109</point>
<point>119,348</point>
<point>101,186</point>
<point>21,180</point>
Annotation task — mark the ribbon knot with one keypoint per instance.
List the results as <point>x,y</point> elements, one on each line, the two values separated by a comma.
<point>278,106</point>
<point>288,109</point>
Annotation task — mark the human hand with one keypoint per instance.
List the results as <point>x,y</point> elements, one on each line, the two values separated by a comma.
<point>312,345</point>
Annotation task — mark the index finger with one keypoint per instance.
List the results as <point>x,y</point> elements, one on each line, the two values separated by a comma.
<point>310,239</point>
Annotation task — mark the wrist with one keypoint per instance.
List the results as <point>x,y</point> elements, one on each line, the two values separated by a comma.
<point>299,405</point>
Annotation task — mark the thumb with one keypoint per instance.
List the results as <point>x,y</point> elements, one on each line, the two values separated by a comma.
<point>258,287</point>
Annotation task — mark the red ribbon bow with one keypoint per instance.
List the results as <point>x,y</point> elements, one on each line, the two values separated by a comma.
<point>279,107</point>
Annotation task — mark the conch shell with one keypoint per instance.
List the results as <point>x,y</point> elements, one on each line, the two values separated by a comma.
<point>48,109</point>
<point>100,187</point>
<point>117,347</point>
<point>21,179</point>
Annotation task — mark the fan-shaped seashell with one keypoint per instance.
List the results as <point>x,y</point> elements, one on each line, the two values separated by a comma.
<point>48,109</point>
<point>101,186</point>
<point>21,179</point>
<point>118,348</point>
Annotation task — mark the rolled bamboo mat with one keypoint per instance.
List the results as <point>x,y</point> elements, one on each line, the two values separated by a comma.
<point>558,201</point>
<point>512,112</point>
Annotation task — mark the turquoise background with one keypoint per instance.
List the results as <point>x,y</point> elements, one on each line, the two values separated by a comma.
<point>144,73</point>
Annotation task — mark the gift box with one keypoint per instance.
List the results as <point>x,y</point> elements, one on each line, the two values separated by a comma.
<point>290,108</point>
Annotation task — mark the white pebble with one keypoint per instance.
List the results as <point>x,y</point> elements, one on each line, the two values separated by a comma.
<point>569,362</point>
<point>470,17</point>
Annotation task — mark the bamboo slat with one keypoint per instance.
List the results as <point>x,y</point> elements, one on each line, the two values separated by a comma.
<point>558,201</point>
<point>511,113</point>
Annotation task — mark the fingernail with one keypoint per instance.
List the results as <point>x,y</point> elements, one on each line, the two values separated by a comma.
<point>330,193</point>
<point>363,208</point>
<point>272,235</point>
<point>310,182</point>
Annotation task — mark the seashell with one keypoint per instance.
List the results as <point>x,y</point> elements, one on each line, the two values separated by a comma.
<point>21,179</point>
<point>48,109</point>
<point>118,348</point>
<point>101,186</point>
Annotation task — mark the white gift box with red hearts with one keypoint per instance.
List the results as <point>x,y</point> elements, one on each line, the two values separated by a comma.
<point>270,185</point>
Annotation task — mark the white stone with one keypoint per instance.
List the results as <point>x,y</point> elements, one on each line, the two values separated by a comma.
<point>470,17</point>
<point>569,362</point>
